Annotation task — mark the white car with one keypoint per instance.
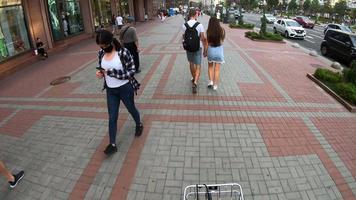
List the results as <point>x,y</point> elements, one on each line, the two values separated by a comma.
<point>270,18</point>
<point>289,28</point>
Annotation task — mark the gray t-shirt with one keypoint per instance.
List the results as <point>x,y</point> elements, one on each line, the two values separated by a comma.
<point>130,35</point>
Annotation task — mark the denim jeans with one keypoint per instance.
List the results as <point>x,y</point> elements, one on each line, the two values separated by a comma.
<point>125,93</point>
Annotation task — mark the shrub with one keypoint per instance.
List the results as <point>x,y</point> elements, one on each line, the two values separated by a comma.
<point>327,75</point>
<point>272,36</point>
<point>350,74</point>
<point>267,36</point>
<point>246,26</point>
<point>252,35</point>
<point>346,91</point>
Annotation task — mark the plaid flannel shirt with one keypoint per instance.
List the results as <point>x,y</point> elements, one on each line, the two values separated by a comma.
<point>129,68</point>
<point>127,63</point>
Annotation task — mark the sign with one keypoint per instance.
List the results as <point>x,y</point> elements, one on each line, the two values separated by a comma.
<point>9,2</point>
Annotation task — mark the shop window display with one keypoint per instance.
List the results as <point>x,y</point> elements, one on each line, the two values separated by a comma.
<point>66,18</point>
<point>13,31</point>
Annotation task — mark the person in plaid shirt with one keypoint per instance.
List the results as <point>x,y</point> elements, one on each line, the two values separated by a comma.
<point>117,67</point>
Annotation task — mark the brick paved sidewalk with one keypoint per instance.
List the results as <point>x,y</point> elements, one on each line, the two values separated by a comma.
<point>267,127</point>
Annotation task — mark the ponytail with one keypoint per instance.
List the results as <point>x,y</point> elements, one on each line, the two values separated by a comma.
<point>117,44</point>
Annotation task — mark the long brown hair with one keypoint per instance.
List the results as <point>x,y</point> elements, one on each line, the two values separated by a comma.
<point>215,33</point>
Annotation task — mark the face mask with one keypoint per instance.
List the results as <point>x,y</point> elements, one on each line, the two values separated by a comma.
<point>108,49</point>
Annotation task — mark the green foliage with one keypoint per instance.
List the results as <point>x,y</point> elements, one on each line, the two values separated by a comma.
<point>340,8</point>
<point>292,6</point>
<point>272,4</point>
<point>326,75</point>
<point>307,6</point>
<point>315,6</point>
<point>350,74</point>
<point>263,24</point>
<point>268,36</point>
<point>343,84</point>
<point>327,7</point>
<point>245,26</point>
<point>241,18</point>
<point>353,13</point>
<point>347,91</point>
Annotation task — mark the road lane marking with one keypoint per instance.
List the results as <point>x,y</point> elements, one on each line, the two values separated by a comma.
<point>310,41</point>
<point>309,37</point>
<point>317,36</point>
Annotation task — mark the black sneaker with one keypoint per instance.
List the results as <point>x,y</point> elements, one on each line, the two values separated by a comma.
<point>110,149</point>
<point>139,130</point>
<point>138,71</point>
<point>194,88</point>
<point>17,177</point>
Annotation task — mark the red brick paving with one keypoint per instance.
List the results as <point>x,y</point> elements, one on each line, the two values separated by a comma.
<point>341,135</point>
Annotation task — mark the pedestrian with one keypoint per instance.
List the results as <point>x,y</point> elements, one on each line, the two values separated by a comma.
<point>215,36</point>
<point>193,39</point>
<point>113,23</point>
<point>40,48</point>
<point>13,179</point>
<point>128,37</point>
<point>117,68</point>
<point>119,22</point>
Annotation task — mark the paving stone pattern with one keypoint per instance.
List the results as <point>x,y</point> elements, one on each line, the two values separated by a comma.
<point>267,127</point>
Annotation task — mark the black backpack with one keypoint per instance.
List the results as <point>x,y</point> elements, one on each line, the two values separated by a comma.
<point>191,40</point>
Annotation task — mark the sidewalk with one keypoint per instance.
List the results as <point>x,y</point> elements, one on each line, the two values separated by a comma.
<point>267,127</point>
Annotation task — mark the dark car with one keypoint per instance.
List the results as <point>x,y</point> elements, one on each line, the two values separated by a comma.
<point>304,21</point>
<point>340,44</point>
<point>337,26</point>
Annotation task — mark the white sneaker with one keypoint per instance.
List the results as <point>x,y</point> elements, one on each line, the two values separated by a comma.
<point>215,87</point>
<point>210,84</point>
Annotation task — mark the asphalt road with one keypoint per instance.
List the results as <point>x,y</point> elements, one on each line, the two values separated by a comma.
<point>312,41</point>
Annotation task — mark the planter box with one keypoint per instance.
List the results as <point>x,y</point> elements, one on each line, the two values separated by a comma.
<point>348,106</point>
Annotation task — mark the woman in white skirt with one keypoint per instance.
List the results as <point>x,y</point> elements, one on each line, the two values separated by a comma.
<point>215,51</point>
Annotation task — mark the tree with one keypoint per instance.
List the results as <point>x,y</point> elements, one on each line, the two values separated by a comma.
<point>271,4</point>
<point>353,15</point>
<point>292,6</point>
<point>340,8</point>
<point>315,7</point>
<point>307,6</point>
<point>327,8</point>
<point>263,25</point>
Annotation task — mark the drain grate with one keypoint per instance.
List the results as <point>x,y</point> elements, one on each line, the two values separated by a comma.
<point>60,80</point>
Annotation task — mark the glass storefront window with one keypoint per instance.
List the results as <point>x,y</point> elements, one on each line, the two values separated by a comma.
<point>124,7</point>
<point>102,12</point>
<point>66,18</point>
<point>13,31</point>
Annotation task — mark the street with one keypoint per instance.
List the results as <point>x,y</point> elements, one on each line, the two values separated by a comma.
<point>311,42</point>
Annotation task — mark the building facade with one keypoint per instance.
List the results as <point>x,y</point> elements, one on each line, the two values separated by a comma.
<point>57,22</point>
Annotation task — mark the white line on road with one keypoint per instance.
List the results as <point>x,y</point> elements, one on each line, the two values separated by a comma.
<point>316,36</point>
<point>309,41</point>
<point>309,37</point>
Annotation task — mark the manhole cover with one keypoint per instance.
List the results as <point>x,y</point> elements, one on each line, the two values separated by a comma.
<point>60,80</point>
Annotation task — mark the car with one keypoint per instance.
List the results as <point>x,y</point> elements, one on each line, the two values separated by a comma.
<point>289,28</point>
<point>304,21</point>
<point>337,26</point>
<point>270,18</point>
<point>237,14</point>
<point>340,44</point>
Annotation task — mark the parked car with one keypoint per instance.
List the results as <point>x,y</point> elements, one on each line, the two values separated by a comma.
<point>340,44</point>
<point>304,21</point>
<point>270,18</point>
<point>337,26</point>
<point>289,28</point>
